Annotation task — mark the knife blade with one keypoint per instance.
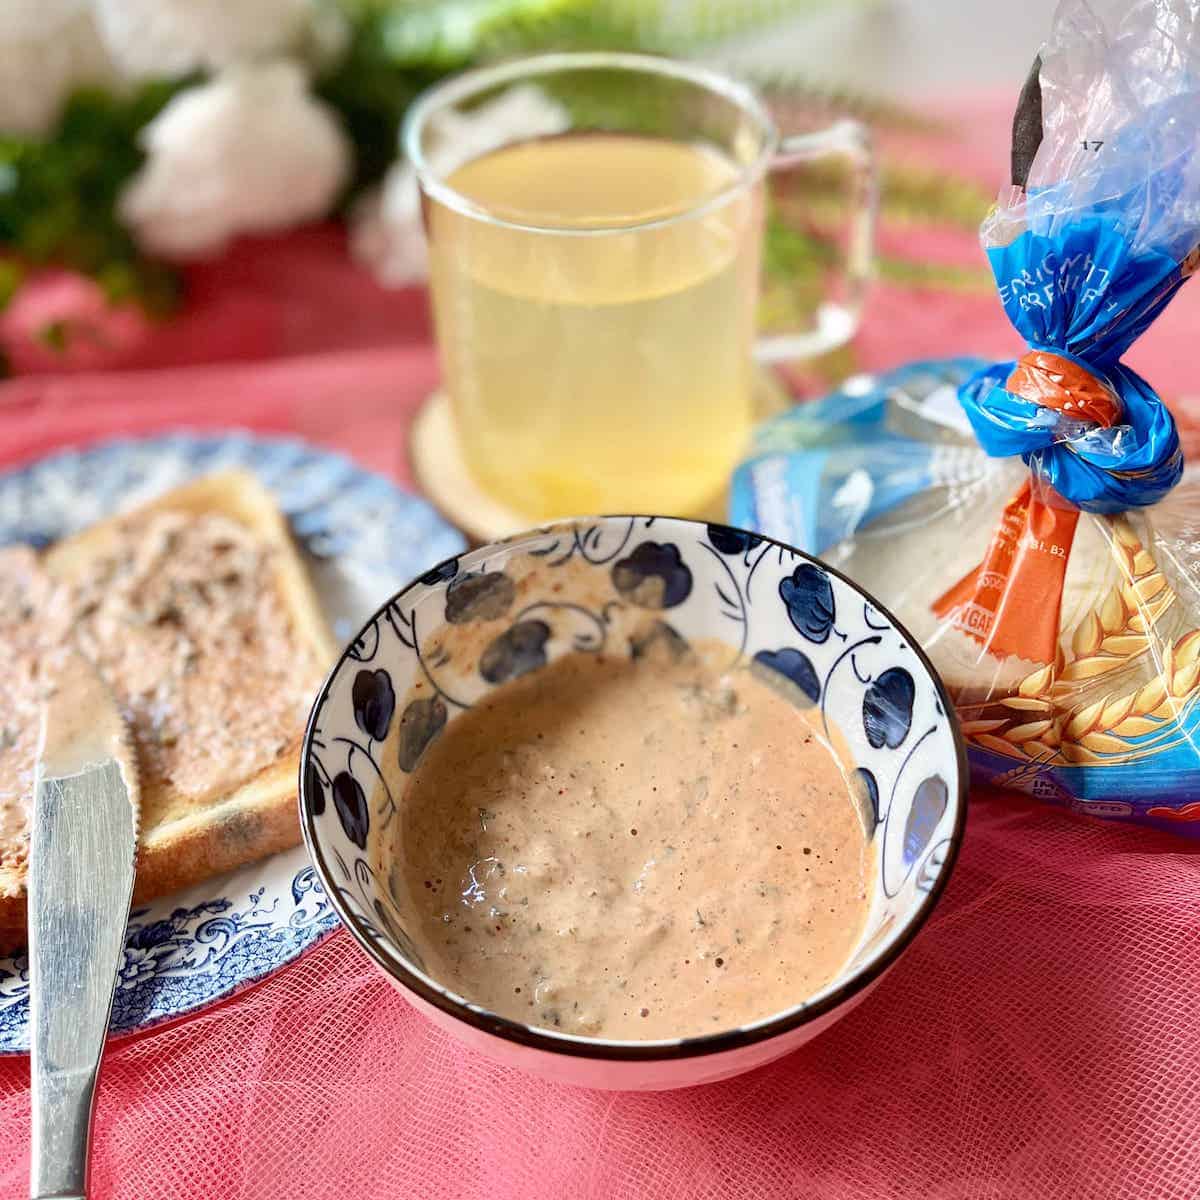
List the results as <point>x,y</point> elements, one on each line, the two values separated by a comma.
<point>83,843</point>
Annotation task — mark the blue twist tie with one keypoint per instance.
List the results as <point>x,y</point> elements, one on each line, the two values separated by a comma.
<point>1083,296</point>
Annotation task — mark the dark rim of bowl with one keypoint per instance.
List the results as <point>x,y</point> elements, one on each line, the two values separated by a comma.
<point>626,1051</point>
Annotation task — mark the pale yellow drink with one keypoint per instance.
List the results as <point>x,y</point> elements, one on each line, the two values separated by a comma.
<point>603,366</point>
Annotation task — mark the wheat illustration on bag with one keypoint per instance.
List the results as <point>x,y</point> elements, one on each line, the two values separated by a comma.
<point>1082,708</point>
<point>1095,436</point>
<point>1029,519</point>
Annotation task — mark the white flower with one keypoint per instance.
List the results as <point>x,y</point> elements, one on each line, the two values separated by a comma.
<point>169,38</point>
<point>385,229</point>
<point>47,49</point>
<point>387,234</point>
<point>249,152</point>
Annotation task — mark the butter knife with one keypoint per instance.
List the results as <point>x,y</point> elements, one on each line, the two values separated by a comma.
<point>83,841</point>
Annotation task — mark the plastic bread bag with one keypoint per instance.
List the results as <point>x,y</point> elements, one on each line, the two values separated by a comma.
<point>1030,522</point>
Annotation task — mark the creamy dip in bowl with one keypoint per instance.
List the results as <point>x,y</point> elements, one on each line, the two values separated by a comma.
<point>633,802</point>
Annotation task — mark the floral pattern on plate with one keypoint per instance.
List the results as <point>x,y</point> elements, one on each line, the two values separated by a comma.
<point>362,538</point>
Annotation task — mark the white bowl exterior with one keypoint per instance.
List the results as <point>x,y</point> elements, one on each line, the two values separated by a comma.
<point>658,1075</point>
<point>769,603</point>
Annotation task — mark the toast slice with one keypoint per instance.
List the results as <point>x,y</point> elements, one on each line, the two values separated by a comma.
<point>198,612</point>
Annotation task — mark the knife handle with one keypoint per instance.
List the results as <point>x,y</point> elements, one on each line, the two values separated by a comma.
<point>62,1120</point>
<point>81,862</point>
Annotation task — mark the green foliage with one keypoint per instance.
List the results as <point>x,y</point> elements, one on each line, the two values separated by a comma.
<point>399,49</point>
<point>450,34</point>
<point>58,197</point>
<point>371,91</point>
<point>795,265</point>
<point>798,101</point>
<point>920,193</point>
<point>55,336</point>
<point>810,201</point>
<point>792,254</point>
<point>12,275</point>
<point>944,277</point>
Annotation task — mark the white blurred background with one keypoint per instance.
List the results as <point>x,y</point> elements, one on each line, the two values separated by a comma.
<point>910,49</point>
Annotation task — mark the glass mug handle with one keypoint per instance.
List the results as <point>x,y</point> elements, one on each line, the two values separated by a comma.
<point>836,321</point>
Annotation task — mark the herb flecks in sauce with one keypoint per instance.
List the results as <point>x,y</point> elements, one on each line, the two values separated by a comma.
<point>621,842</point>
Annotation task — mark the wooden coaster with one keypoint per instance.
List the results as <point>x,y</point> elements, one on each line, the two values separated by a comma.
<point>442,473</point>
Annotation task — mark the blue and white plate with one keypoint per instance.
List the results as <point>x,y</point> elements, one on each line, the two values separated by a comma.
<point>364,539</point>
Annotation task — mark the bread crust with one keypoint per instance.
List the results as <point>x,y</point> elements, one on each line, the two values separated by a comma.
<point>258,817</point>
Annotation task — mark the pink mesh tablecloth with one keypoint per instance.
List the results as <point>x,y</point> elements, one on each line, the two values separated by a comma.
<point>1041,1038</point>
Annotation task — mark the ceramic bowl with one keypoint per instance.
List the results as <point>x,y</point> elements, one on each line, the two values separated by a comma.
<point>517,604</point>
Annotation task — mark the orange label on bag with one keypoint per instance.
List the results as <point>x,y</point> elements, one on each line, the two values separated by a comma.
<point>1012,602</point>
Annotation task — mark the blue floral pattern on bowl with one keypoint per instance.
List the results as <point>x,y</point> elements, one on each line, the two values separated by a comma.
<point>362,538</point>
<point>572,587</point>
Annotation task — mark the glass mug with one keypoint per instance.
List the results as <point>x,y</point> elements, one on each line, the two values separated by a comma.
<point>594,288</point>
